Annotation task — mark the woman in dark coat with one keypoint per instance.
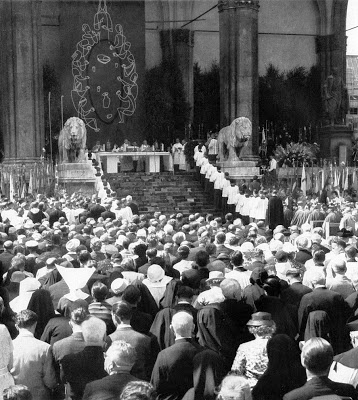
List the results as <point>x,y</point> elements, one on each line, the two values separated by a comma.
<point>41,304</point>
<point>284,371</point>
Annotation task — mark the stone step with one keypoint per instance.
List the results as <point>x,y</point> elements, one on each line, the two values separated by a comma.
<point>165,192</point>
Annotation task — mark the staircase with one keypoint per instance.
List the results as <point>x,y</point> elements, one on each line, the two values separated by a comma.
<point>163,192</point>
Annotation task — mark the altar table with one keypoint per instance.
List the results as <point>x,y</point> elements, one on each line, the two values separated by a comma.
<point>152,160</point>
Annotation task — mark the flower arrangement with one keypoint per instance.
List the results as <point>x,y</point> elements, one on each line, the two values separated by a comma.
<point>294,154</point>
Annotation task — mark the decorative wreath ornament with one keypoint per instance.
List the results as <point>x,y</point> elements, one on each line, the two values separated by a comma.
<point>104,73</point>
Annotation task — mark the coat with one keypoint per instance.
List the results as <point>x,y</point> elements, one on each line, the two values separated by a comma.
<point>172,374</point>
<point>321,386</point>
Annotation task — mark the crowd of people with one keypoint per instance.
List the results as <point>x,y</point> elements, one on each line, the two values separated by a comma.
<point>259,301</point>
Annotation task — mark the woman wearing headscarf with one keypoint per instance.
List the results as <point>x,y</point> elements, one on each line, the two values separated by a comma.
<point>208,372</point>
<point>318,325</point>
<point>284,371</point>
<point>41,304</point>
<point>255,290</point>
<point>271,303</point>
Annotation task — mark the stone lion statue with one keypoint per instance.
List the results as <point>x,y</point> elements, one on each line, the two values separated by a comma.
<point>72,141</point>
<point>233,138</point>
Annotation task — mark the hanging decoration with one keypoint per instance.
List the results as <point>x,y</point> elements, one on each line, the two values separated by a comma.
<point>104,73</point>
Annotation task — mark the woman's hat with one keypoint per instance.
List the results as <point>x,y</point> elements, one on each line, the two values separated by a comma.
<point>260,319</point>
<point>119,285</point>
<point>215,278</point>
<point>155,273</point>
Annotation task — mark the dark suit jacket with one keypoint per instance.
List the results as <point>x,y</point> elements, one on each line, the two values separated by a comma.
<point>141,321</point>
<point>321,386</point>
<point>302,256</point>
<point>142,345</point>
<point>193,277</point>
<point>108,214</point>
<point>294,293</point>
<point>81,368</point>
<point>172,374</point>
<point>333,304</point>
<point>221,248</point>
<point>193,252</point>
<point>108,388</point>
<point>96,211</point>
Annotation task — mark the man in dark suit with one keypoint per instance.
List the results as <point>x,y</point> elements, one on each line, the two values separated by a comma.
<point>74,343</point>
<point>293,294</point>
<point>88,365</point>
<point>172,375</point>
<point>120,358</point>
<point>121,315</point>
<point>220,239</point>
<point>108,213</point>
<point>96,210</point>
<point>317,357</point>
<point>193,277</point>
<point>303,244</point>
<point>332,303</point>
<point>275,211</point>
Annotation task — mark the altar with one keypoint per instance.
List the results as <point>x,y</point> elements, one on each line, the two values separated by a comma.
<point>110,161</point>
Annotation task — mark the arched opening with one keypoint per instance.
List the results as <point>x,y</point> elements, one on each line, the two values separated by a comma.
<point>352,62</point>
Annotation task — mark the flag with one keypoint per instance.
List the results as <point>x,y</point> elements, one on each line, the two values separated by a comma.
<point>336,178</point>
<point>317,181</point>
<point>11,195</point>
<point>345,187</point>
<point>30,190</point>
<point>304,180</point>
<point>308,181</point>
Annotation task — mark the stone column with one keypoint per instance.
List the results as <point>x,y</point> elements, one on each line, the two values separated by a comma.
<point>239,78</point>
<point>22,122</point>
<point>179,44</point>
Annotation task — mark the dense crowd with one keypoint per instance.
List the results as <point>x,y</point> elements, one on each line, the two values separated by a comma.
<point>99,302</point>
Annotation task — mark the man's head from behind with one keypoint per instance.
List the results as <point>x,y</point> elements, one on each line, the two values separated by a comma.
<point>182,325</point>
<point>120,356</point>
<point>121,313</point>
<point>317,356</point>
<point>26,319</point>
<point>94,331</point>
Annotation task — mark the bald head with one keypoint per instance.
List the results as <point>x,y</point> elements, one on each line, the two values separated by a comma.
<point>182,324</point>
<point>339,266</point>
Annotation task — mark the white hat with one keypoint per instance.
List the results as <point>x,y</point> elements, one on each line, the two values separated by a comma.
<point>31,244</point>
<point>37,236</point>
<point>28,224</point>
<point>141,233</point>
<point>119,285</point>
<point>215,277</point>
<point>155,273</point>
<point>72,245</point>
<point>246,246</point>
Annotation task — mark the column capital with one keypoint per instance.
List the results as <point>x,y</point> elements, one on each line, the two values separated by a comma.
<point>237,4</point>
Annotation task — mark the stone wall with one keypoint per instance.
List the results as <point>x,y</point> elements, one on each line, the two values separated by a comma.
<point>287,30</point>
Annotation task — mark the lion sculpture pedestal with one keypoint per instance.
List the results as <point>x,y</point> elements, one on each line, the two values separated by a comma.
<point>233,143</point>
<point>75,173</point>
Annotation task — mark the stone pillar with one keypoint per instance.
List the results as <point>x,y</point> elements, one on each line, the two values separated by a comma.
<point>22,122</point>
<point>179,44</point>
<point>239,77</point>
